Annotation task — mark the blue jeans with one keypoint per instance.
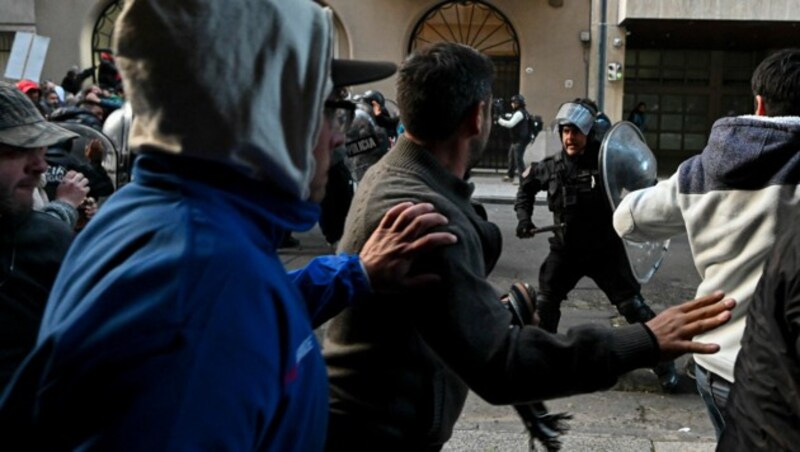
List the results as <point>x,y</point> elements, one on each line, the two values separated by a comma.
<point>515,161</point>
<point>714,390</point>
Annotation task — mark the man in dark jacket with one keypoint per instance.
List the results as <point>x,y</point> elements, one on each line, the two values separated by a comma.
<point>61,160</point>
<point>32,244</point>
<point>400,368</point>
<point>763,411</point>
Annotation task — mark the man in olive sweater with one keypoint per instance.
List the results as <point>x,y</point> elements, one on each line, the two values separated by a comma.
<point>400,368</point>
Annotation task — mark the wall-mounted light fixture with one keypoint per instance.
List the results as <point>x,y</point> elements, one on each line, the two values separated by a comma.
<point>617,42</point>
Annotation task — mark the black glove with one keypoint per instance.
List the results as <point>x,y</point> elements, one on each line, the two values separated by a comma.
<point>524,228</point>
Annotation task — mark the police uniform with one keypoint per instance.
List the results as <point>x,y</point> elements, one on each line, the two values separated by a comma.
<point>587,245</point>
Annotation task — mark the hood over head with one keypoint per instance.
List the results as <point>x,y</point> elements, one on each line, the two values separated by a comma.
<point>746,151</point>
<point>240,82</point>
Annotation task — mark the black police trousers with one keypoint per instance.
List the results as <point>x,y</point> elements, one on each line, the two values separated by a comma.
<point>563,268</point>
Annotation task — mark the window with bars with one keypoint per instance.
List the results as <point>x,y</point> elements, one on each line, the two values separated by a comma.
<point>482,26</point>
<point>6,41</point>
<point>103,32</point>
<point>685,92</point>
<point>675,67</point>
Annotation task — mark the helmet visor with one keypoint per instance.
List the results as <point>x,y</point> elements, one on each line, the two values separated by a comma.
<point>577,115</point>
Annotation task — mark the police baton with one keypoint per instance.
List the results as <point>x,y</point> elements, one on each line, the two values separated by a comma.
<point>551,228</point>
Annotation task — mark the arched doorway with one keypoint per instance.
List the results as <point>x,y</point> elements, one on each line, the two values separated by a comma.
<point>103,32</point>
<point>482,26</point>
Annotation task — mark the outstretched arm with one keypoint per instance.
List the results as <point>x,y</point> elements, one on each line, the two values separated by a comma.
<point>331,283</point>
<point>675,327</point>
<point>651,213</point>
<point>511,122</point>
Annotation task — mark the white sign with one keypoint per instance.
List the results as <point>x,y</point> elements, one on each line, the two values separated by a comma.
<point>27,56</point>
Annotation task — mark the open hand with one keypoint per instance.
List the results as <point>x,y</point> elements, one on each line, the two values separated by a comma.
<point>675,327</point>
<point>401,236</point>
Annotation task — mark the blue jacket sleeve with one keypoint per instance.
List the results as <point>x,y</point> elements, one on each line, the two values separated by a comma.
<point>330,284</point>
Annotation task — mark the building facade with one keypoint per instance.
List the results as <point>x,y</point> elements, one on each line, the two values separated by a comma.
<point>690,61</point>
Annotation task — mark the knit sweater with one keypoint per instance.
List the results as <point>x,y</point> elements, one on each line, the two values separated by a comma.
<point>730,201</point>
<point>399,367</point>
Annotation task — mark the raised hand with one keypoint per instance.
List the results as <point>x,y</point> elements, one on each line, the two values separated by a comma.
<point>73,188</point>
<point>401,236</point>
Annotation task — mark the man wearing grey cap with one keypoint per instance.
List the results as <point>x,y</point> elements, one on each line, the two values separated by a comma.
<point>173,324</point>
<point>32,244</point>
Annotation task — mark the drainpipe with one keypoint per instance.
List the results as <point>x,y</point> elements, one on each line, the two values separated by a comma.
<point>601,55</point>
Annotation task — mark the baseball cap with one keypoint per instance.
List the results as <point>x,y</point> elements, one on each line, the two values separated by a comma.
<point>28,85</point>
<point>355,72</point>
<point>22,125</point>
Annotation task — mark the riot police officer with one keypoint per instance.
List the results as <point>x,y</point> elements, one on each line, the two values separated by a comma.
<point>587,245</point>
<point>380,113</point>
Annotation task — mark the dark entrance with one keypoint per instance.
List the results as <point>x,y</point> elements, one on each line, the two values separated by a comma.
<point>483,27</point>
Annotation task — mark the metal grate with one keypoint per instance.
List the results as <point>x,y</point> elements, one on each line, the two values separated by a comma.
<point>103,32</point>
<point>686,90</point>
<point>6,41</point>
<point>483,27</point>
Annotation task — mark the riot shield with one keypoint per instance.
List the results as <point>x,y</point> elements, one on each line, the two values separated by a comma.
<point>366,142</point>
<point>85,135</point>
<point>627,164</point>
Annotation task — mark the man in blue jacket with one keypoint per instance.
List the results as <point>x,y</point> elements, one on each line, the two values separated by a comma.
<point>173,323</point>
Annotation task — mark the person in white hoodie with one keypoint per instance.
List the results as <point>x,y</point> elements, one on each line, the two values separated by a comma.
<point>731,200</point>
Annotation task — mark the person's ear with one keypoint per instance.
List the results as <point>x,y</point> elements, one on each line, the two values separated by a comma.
<point>475,118</point>
<point>761,109</point>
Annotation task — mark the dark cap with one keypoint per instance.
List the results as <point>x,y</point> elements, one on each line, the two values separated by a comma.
<point>355,72</point>
<point>22,125</point>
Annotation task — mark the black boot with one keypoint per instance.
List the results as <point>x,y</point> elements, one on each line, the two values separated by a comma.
<point>635,310</point>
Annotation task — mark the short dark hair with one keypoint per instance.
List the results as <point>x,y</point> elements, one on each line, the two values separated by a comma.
<point>777,81</point>
<point>437,86</point>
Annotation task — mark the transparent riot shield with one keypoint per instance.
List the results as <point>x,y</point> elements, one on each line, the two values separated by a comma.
<point>627,164</point>
<point>85,135</point>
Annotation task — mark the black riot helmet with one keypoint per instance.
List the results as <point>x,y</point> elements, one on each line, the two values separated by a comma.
<point>519,100</point>
<point>371,95</point>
